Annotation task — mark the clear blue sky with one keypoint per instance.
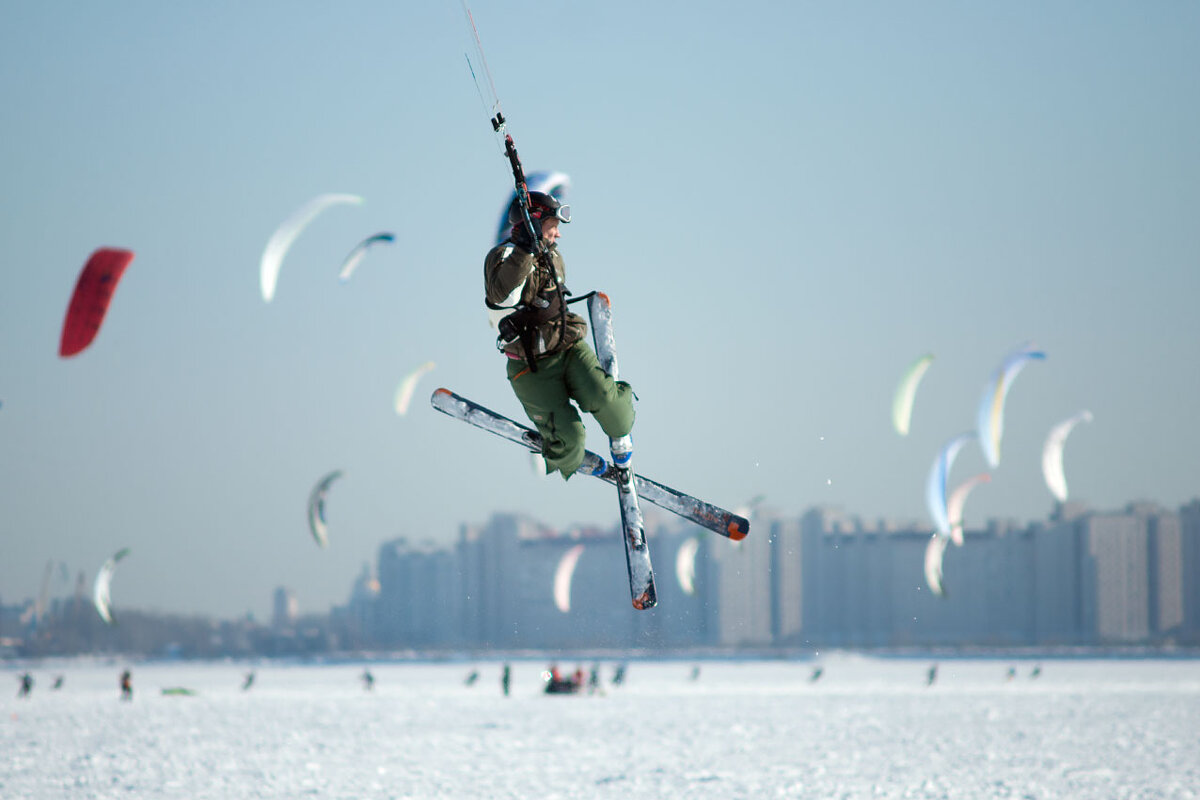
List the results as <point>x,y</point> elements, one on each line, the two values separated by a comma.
<point>787,202</point>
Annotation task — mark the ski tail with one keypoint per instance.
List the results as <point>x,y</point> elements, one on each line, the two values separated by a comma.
<point>637,551</point>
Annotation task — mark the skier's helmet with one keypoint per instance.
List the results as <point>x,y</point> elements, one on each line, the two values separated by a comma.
<point>541,207</point>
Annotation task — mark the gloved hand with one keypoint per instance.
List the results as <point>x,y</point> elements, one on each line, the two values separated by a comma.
<point>521,237</point>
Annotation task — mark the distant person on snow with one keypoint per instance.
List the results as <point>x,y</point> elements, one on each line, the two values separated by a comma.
<point>594,680</point>
<point>26,685</point>
<point>618,675</point>
<point>126,685</point>
<point>549,363</point>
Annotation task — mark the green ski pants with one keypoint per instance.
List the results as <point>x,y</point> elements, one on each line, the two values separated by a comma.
<point>546,395</point>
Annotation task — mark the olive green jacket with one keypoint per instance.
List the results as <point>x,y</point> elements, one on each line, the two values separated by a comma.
<point>511,275</point>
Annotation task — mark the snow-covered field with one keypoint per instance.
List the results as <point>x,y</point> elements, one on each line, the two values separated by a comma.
<point>869,727</point>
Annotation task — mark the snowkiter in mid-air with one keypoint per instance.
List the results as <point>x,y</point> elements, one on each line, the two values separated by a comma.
<point>549,363</point>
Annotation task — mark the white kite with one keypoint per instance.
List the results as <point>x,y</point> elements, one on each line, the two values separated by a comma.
<point>101,589</point>
<point>408,385</point>
<point>1052,454</point>
<point>563,576</point>
<point>935,548</point>
<point>285,235</point>
<point>685,565</point>
<point>537,463</point>
<point>906,392</point>
<point>954,505</point>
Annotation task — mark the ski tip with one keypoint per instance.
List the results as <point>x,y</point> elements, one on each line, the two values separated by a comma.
<point>738,528</point>
<point>604,298</point>
<point>440,397</point>
<point>645,601</point>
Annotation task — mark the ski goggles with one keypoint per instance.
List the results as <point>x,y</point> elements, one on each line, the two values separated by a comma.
<point>562,213</point>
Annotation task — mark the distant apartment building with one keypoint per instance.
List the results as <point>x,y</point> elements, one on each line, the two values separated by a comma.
<point>417,594</point>
<point>1112,577</point>
<point>285,609</point>
<point>1189,548</point>
<point>740,580</point>
<point>1117,593</point>
<point>823,579</point>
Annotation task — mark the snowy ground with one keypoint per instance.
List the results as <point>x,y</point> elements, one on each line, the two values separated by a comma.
<point>868,728</point>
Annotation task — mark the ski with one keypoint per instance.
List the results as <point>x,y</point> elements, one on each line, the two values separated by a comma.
<point>637,553</point>
<point>706,515</point>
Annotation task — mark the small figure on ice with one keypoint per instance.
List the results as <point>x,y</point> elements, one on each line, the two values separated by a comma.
<point>26,685</point>
<point>618,675</point>
<point>557,683</point>
<point>549,363</point>
<point>593,685</point>
<point>127,685</point>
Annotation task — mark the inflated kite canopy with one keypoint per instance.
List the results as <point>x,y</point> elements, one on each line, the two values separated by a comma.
<point>1052,454</point>
<point>408,385</point>
<point>935,550</point>
<point>101,596</point>
<point>906,392</point>
<point>935,485</point>
<point>563,576</point>
<point>89,303</point>
<point>360,252</point>
<point>958,498</point>
<point>283,237</point>
<point>685,565</point>
<point>991,405</point>
<point>554,184</point>
<point>316,508</point>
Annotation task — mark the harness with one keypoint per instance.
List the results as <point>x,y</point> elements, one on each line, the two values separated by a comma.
<point>522,325</point>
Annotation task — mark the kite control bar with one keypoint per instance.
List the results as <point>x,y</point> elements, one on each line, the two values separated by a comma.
<point>514,160</point>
